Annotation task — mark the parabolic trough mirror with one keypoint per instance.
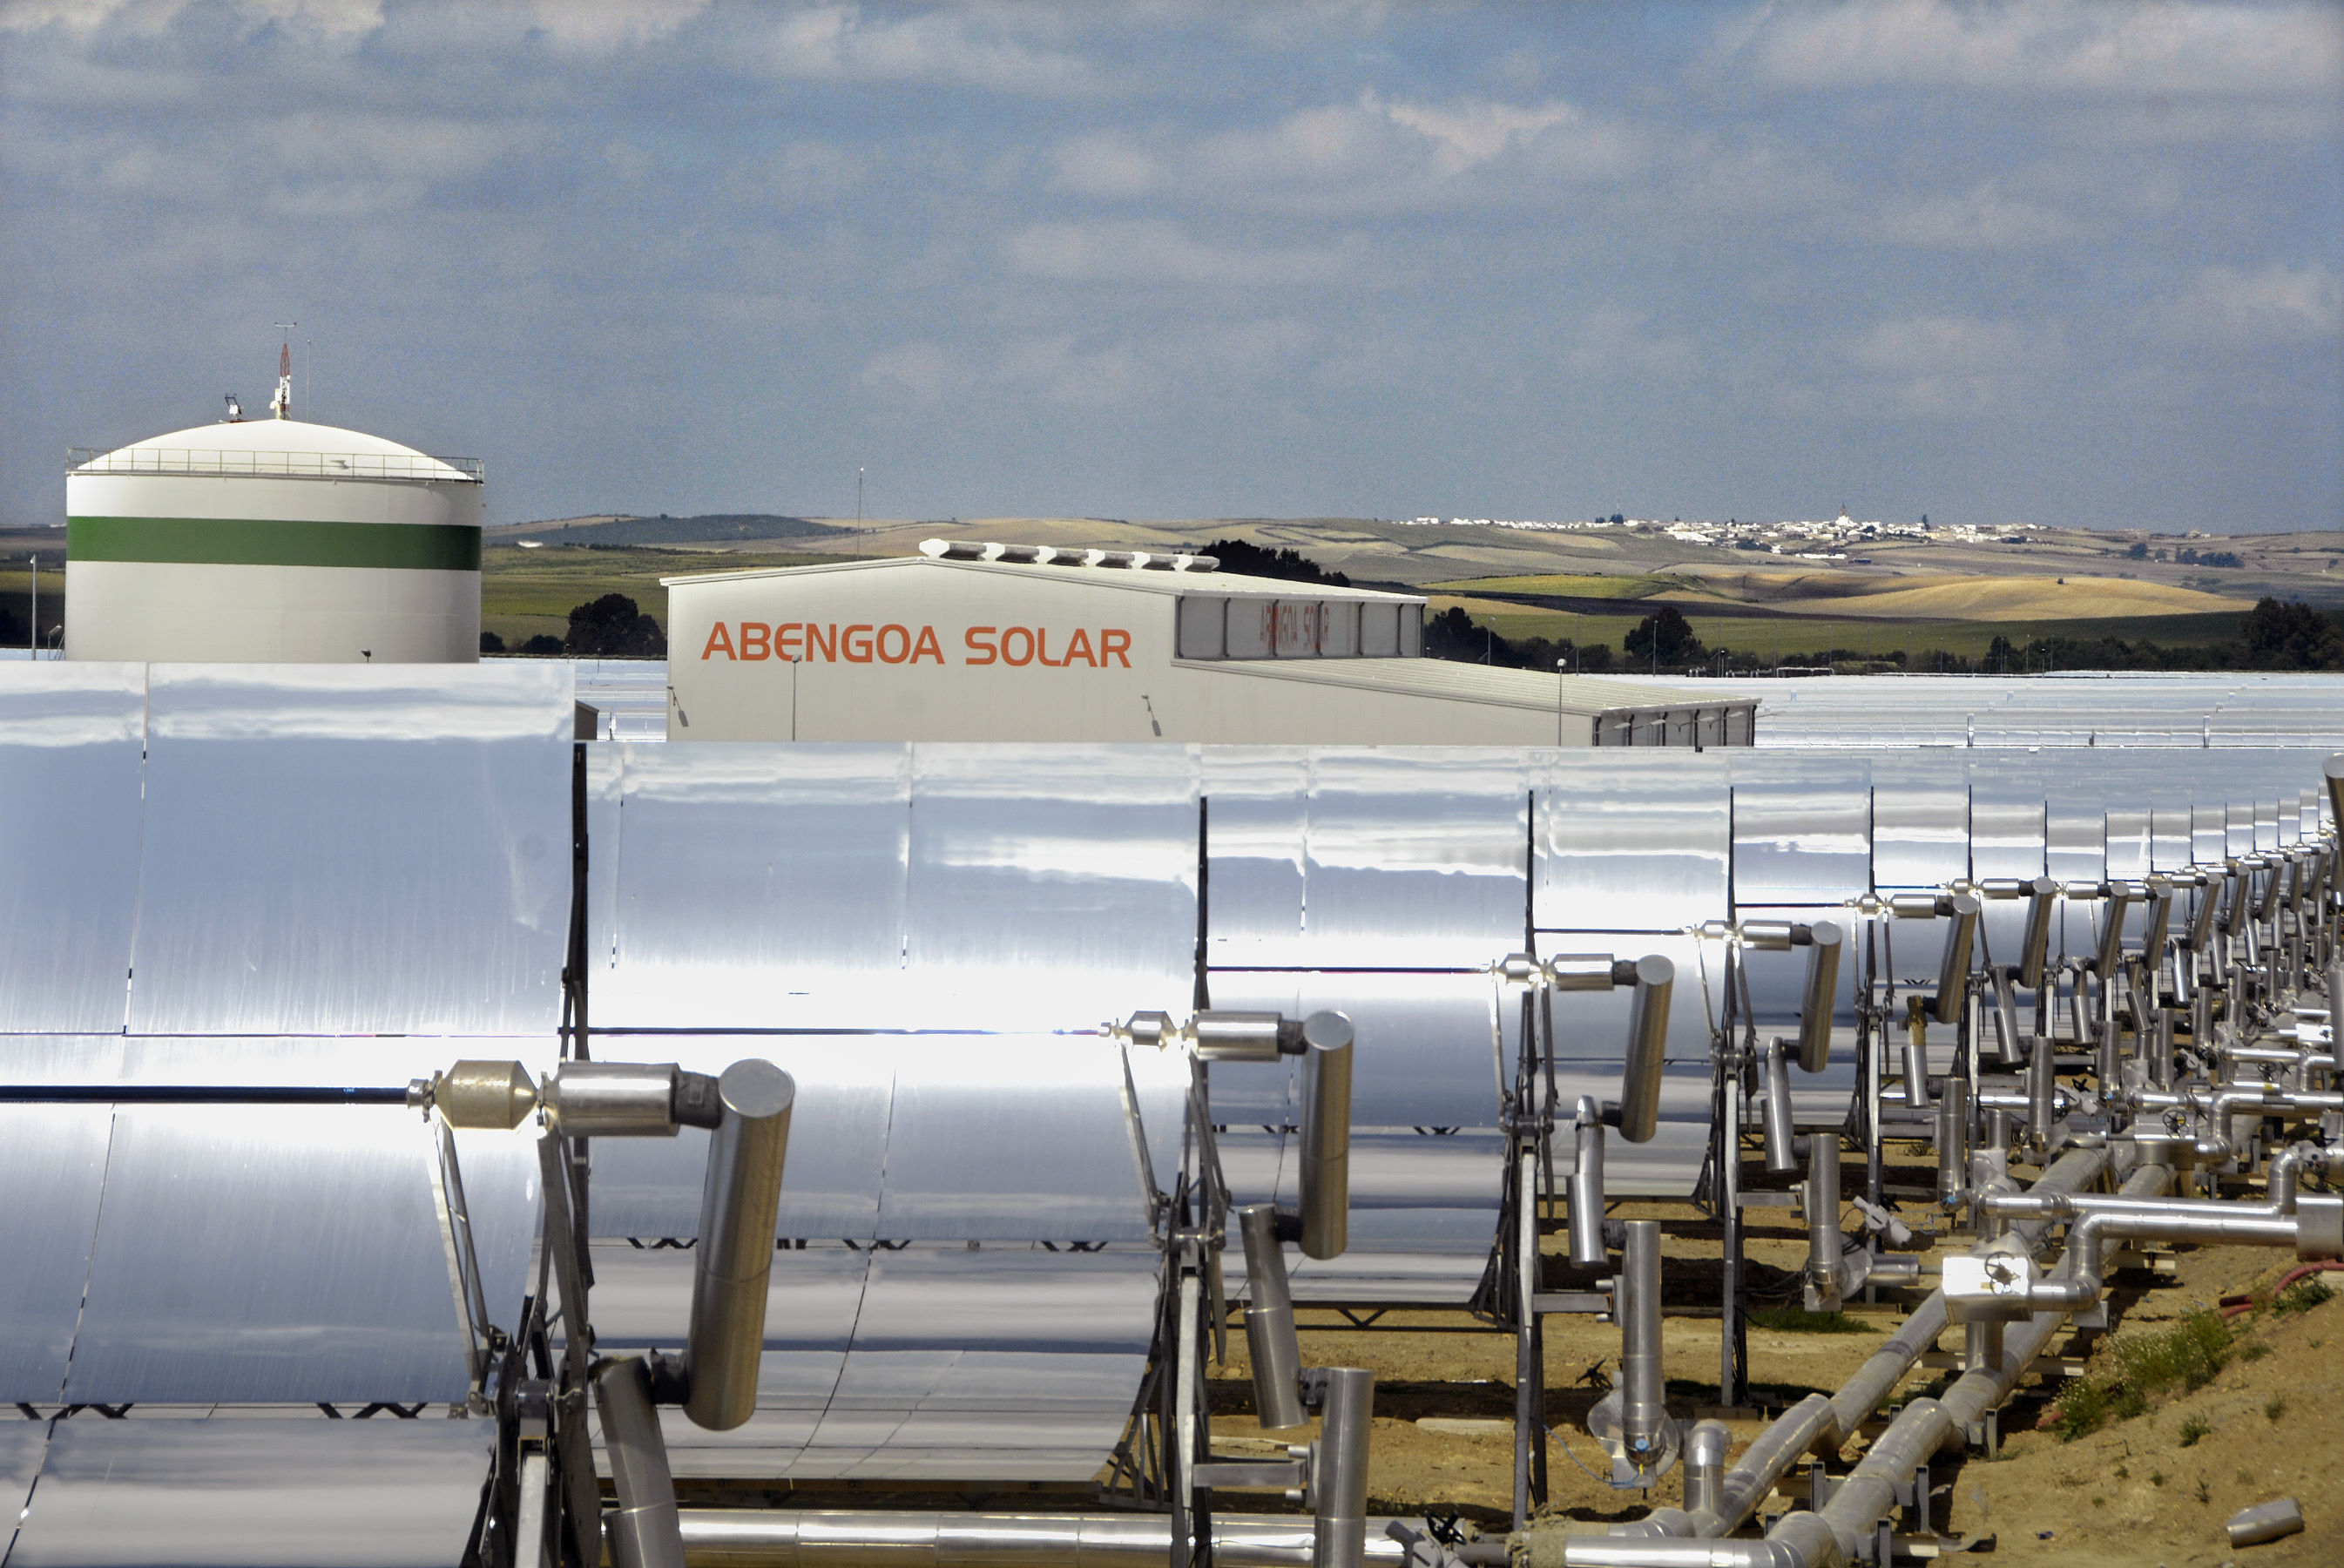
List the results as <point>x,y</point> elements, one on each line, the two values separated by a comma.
<point>1049,1019</point>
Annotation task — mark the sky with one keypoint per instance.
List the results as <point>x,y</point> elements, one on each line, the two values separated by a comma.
<point>2074,264</point>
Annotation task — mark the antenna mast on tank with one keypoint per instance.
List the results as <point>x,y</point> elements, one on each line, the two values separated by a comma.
<point>281,404</point>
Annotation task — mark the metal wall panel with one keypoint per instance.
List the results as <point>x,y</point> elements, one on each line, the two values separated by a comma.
<point>1258,800</point>
<point>1018,1138</point>
<point>1920,821</point>
<point>1422,1054</point>
<point>53,1171</point>
<point>1802,827</point>
<point>23,1447</point>
<point>277,1253</point>
<point>70,742</point>
<point>2209,833</point>
<point>2169,838</point>
<point>1022,1363</point>
<point>2007,827</point>
<point>1633,844</point>
<point>256,1494</point>
<point>340,850</point>
<point>1077,862</point>
<point>758,887</point>
<point>2128,853</point>
<point>1417,856</point>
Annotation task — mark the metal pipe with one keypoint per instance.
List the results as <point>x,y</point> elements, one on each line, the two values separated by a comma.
<point>2155,923</point>
<point>2042,1087</point>
<point>1952,1131</point>
<point>1953,966</point>
<point>841,1538</point>
<point>1818,1421</point>
<point>1326,1184</point>
<point>1647,1048</point>
<point>644,1531</point>
<point>1775,1113</point>
<point>1587,1189</point>
<point>1827,940</point>
<point>2201,920</point>
<point>1824,1242</point>
<point>1339,1469</point>
<point>739,1204</point>
<point>1636,1303</point>
<point>2111,950</point>
<point>1704,1466</point>
<point>2315,1232</point>
<point>612,1100</point>
<point>1917,1058</point>
<point>1777,1124</point>
<point>1271,1344</point>
<point>2272,1521</point>
<point>1232,1036</point>
<point>2042,897</point>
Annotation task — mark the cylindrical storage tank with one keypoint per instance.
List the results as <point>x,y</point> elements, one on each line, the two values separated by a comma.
<point>272,541</point>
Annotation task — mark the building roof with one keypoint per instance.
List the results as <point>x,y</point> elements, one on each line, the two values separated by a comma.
<point>275,447</point>
<point>1134,581</point>
<point>1459,682</point>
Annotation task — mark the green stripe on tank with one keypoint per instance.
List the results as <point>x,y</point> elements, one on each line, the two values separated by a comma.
<point>240,541</point>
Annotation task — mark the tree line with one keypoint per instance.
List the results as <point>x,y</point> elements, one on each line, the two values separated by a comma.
<point>2273,635</point>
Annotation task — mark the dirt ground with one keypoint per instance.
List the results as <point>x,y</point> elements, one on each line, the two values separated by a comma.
<point>2130,1494</point>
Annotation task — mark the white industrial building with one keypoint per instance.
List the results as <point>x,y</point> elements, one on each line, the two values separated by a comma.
<point>1022,642</point>
<point>267,540</point>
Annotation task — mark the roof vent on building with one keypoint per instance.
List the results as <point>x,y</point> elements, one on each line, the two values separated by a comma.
<point>1053,555</point>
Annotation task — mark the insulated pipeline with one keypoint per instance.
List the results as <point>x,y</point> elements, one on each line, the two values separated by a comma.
<point>823,1538</point>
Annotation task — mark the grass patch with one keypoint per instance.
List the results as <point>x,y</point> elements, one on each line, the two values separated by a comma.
<point>2254,1352</point>
<point>2302,1296</point>
<point>525,592</point>
<point>2192,1428</point>
<point>2274,1408</point>
<point>1799,1321</point>
<point>2186,1356</point>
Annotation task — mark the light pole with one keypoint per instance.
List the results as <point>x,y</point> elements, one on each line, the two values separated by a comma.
<point>858,511</point>
<point>33,642</point>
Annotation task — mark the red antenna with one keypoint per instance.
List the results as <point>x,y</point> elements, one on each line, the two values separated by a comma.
<point>285,359</point>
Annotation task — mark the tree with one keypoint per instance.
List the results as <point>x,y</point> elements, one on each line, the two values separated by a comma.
<point>612,627</point>
<point>2291,636</point>
<point>1999,653</point>
<point>544,644</point>
<point>1289,563</point>
<point>1664,636</point>
<point>492,643</point>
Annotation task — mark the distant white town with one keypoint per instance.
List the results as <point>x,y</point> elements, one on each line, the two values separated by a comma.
<point>1802,540</point>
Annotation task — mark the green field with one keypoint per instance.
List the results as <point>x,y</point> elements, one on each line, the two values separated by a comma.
<point>1766,635</point>
<point>526,592</point>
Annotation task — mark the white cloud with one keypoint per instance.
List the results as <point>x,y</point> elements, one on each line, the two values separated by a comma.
<point>1474,132</point>
<point>1613,342</point>
<point>1156,251</point>
<point>597,25</point>
<point>1370,155</point>
<point>2090,45</point>
<point>921,370</point>
<point>2277,303</point>
<point>1982,220</point>
<point>1107,164</point>
<point>1952,365</point>
<point>841,42</point>
<point>339,17</point>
